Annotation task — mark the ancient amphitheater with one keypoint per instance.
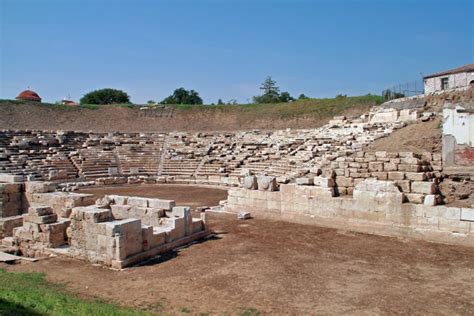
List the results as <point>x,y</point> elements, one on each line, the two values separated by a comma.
<point>326,176</point>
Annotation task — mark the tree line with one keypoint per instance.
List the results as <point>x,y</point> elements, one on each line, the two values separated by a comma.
<point>270,94</point>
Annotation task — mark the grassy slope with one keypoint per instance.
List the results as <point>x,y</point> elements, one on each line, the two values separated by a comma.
<point>308,107</point>
<point>30,294</point>
<point>301,108</point>
<point>309,113</point>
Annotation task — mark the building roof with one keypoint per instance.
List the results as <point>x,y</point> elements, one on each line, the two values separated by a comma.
<point>465,68</point>
<point>29,95</point>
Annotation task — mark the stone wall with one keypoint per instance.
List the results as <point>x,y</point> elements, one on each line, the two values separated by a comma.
<point>416,175</point>
<point>376,207</point>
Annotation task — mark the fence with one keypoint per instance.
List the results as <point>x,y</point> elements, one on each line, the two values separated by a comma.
<point>407,89</point>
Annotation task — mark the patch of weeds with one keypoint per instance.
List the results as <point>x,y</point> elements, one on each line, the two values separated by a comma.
<point>250,312</point>
<point>185,310</point>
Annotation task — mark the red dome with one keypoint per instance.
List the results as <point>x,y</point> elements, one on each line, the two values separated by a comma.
<point>29,95</point>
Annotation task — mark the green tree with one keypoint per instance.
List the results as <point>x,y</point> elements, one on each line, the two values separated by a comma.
<point>271,93</point>
<point>151,102</point>
<point>302,97</point>
<point>183,96</point>
<point>105,96</point>
<point>219,102</point>
<point>286,97</point>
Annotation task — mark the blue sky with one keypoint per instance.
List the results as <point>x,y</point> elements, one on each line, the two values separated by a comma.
<point>225,49</point>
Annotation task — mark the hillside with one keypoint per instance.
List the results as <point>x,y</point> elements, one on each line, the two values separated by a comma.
<point>298,114</point>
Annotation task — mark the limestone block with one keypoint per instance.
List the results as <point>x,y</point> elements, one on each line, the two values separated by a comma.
<point>379,175</point>
<point>10,178</point>
<point>129,236</point>
<point>157,239</point>
<point>266,183</point>
<point>197,226</point>
<point>304,181</point>
<point>467,214</point>
<point>324,182</point>
<point>409,168</point>
<point>7,225</point>
<point>40,210</point>
<point>119,199</point>
<point>410,161</point>
<point>137,201</point>
<point>106,246</point>
<point>430,200</point>
<point>423,187</point>
<point>416,176</point>
<point>46,219</point>
<point>162,204</point>
<point>415,198</point>
<point>250,183</point>
<point>39,187</point>
<point>178,225</point>
<point>389,166</point>
<point>282,179</point>
<point>403,185</point>
<point>10,188</point>
<point>395,175</point>
<point>344,181</point>
<point>377,186</point>
<point>375,166</point>
<point>184,212</point>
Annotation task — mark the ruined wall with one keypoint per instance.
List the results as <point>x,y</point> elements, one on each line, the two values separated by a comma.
<point>412,173</point>
<point>458,137</point>
<point>376,207</point>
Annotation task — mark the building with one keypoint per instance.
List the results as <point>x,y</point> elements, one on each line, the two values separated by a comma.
<point>69,102</point>
<point>29,95</point>
<point>458,138</point>
<point>455,78</point>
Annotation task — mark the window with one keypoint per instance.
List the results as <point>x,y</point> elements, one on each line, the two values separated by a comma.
<point>444,83</point>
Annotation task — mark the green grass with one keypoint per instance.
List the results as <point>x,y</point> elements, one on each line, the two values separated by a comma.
<point>309,108</point>
<point>298,109</point>
<point>30,294</point>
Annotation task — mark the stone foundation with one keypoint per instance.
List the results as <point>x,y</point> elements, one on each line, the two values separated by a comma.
<point>376,207</point>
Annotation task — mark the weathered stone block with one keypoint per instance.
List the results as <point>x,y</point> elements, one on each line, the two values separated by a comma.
<point>467,214</point>
<point>137,201</point>
<point>324,182</point>
<point>416,176</point>
<point>39,187</point>
<point>250,183</point>
<point>304,181</point>
<point>266,183</point>
<point>46,219</point>
<point>423,187</point>
<point>344,181</point>
<point>40,210</point>
<point>162,204</point>
<point>415,198</point>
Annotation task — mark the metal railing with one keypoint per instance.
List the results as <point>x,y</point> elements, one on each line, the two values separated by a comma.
<point>402,90</point>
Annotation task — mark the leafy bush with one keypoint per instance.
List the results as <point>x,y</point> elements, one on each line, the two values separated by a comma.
<point>183,96</point>
<point>105,96</point>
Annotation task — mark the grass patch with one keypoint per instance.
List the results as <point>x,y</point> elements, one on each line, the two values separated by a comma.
<point>30,294</point>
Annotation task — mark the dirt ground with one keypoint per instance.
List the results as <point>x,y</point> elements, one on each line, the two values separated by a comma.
<point>417,137</point>
<point>192,196</point>
<point>281,268</point>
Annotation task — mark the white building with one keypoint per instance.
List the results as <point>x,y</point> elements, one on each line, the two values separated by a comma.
<point>450,79</point>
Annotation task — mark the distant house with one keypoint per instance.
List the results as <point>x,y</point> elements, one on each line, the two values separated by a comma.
<point>29,95</point>
<point>450,79</point>
<point>69,102</point>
